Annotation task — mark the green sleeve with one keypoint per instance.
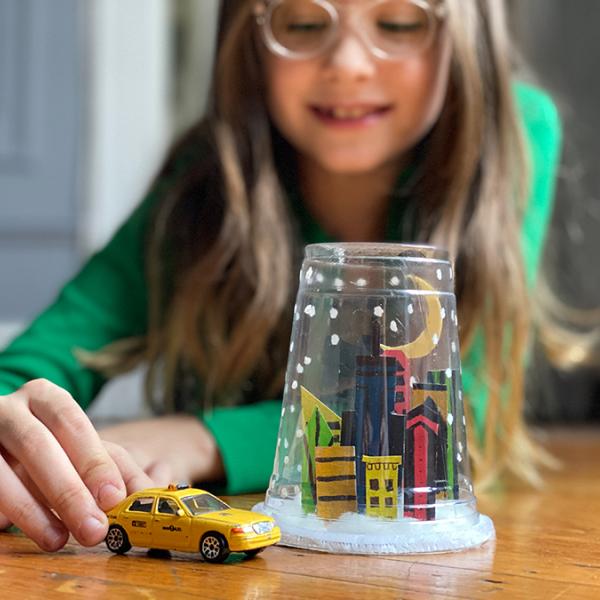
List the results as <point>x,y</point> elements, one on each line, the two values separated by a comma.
<point>543,136</point>
<point>104,302</point>
<point>246,436</point>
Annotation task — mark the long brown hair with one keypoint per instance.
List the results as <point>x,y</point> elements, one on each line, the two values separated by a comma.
<point>223,252</point>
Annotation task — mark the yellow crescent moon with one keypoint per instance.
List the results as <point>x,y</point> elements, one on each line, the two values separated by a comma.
<point>429,338</point>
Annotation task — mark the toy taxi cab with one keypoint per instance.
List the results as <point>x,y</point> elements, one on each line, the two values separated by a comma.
<point>191,520</point>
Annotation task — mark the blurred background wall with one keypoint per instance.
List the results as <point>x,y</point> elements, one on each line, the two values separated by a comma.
<point>560,47</point>
<point>92,92</point>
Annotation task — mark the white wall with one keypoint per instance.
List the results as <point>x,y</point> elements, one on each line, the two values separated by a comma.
<point>138,98</point>
<point>129,112</point>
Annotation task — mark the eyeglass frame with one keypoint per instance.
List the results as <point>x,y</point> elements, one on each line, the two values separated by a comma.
<point>264,9</point>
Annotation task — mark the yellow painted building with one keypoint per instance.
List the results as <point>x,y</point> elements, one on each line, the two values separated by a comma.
<point>381,483</point>
<point>335,468</point>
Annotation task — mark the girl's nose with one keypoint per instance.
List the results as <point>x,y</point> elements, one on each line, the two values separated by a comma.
<point>350,57</point>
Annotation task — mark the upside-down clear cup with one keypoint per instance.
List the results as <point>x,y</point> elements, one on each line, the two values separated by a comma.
<point>372,454</point>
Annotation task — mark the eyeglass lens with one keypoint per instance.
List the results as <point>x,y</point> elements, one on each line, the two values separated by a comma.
<point>394,27</point>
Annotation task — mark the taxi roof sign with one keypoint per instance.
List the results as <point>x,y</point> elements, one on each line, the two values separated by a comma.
<point>178,486</point>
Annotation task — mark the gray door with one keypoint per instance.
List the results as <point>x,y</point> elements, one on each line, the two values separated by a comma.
<point>39,154</point>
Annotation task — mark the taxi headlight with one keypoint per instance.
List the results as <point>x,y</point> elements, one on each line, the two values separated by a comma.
<point>242,529</point>
<point>263,527</point>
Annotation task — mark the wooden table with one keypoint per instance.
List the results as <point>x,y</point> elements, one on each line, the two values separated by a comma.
<point>547,547</point>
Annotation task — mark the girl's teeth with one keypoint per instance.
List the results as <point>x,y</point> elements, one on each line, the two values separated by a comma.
<point>349,113</point>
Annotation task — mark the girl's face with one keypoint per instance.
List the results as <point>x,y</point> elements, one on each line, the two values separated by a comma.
<point>350,111</point>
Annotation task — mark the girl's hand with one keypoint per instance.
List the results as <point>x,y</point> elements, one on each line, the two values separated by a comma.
<point>56,475</point>
<point>170,449</point>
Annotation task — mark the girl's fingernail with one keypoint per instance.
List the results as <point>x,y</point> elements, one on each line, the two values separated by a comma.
<point>109,495</point>
<point>55,538</point>
<point>92,530</point>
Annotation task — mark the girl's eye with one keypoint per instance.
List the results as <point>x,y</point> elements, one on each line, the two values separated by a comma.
<point>307,27</point>
<point>393,27</point>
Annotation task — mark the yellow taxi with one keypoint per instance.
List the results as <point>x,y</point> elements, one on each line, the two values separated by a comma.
<point>191,520</point>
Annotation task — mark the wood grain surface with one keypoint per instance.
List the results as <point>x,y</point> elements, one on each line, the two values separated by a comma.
<point>547,547</point>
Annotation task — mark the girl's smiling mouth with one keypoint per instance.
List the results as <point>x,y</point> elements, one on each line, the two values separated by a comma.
<point>349,114</point>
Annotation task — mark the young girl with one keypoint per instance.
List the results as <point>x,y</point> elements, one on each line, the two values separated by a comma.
<point>348,120</point>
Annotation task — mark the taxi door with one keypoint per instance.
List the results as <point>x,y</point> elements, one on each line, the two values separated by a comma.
<point>170,530</point>
<point>137,521</point>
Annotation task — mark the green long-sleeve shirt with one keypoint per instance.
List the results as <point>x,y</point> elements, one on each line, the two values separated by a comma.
<point>108,300</point>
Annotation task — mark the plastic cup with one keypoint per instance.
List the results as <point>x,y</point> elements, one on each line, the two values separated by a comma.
<point>372,453</point>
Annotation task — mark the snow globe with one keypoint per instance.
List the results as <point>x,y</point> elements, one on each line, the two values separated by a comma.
<point>372,455</point>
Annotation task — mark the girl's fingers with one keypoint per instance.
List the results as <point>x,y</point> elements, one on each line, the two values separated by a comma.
<point>71,427</point>
<point>4,522</point>
<point>22,474</point>
<point>20,507</point>
<point>46,463</point>
<point>133,474</point>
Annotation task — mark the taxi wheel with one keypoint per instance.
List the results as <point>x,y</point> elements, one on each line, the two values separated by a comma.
<point>117,540</point>
<point>213,547</point>
<point>251,553</point>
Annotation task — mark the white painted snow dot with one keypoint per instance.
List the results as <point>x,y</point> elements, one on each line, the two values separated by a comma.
<point>285,444</point>
<point>299,433</point>
<point>458,457</point>
<point>435,339</point>
<point>450,419</point>
<point>299,368</point>
<point>413,380</point>
<point>292,408</point>
<point>286,460</point>
<point>307,360</point>
<point>460,394</point>
<point>464,421</point>
<point>443,313</point>
<point>448,373</point>
<point>309,273</point>
<point>460,446</point>
<point>378,311</point>
<point>394,326</point>
<point>410,309</point>
<point>294,385</point>
<point>335,339</point>
<point>291,346</point>
<point>438,274</point>
<point>338,283</point>
<point>361,282</point>
<point>395,280</point>
<point>310,310</point>
<point>453,346</point>
<point>450,273</point>
<point>333,313</point>
<point>319,277</point>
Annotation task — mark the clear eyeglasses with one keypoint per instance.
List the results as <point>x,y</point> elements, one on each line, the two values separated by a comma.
<point>391,29</point>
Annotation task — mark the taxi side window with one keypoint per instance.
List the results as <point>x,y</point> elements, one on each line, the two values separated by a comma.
<point>142,504</point>
<point>167,506</point>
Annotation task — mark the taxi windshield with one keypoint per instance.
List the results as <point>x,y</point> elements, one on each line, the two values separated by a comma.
<point>203,503</point>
